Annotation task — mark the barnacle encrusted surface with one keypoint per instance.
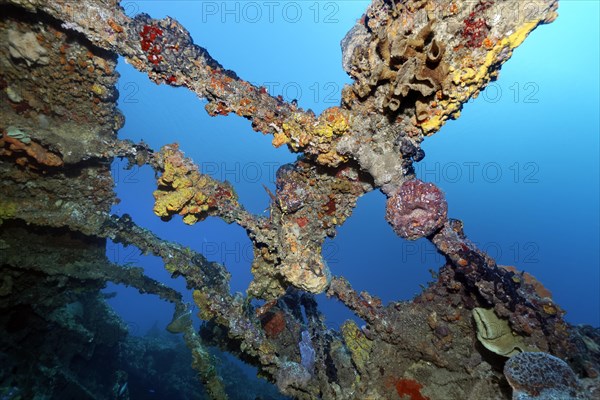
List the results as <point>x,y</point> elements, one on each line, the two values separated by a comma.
<point>541,376</point>
<point>414,64</point>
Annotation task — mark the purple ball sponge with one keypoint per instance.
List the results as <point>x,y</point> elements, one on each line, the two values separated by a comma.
<point>538,375</point>
<point>417,209</point>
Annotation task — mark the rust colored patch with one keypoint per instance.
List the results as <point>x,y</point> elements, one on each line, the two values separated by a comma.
<point>330,206</point>
<point>115,27</point>
<point>273,323</point>
<point>149,35</point>
<point>302,222</point>
<point>410,388</point>
<point>222,194</point>
<point>28,155</point>
<point>475,29</point>
<point>218,108</point>
<point>529,279</point>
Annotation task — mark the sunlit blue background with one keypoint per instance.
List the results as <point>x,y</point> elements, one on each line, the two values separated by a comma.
<point>520,166</point>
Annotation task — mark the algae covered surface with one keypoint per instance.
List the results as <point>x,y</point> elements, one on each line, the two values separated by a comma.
<point>478,330</point>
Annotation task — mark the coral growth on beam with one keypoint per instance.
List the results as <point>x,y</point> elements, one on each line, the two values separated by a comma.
<point>414,64</point>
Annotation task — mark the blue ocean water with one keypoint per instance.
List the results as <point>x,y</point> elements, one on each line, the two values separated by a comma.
<point>520,166</point>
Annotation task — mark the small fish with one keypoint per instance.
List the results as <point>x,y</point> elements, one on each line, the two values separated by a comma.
<point>123,389</point>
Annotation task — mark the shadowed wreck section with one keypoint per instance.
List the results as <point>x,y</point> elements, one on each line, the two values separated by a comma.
<point>414,63</point>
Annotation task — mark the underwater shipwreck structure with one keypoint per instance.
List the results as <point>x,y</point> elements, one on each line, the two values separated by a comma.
<point>479,331</point>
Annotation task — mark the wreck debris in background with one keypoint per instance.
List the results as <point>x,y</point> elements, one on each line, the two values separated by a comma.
<point>414,64</point>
